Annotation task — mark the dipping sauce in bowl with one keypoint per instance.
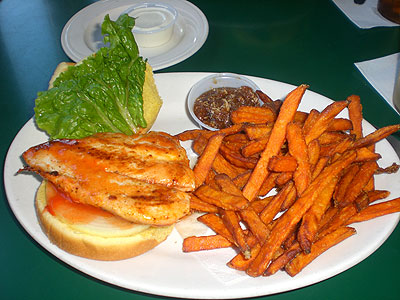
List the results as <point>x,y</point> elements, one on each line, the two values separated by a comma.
<point>212,99</point>
<point>214,107</point>
<point>154,23</point>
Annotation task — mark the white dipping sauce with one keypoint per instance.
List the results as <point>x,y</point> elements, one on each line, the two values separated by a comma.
<point>154,23</point>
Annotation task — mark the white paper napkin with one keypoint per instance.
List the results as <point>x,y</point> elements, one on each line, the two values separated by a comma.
<point>381,73</point>
<point>364,15</point>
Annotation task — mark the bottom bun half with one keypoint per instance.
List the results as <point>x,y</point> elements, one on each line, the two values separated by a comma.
<point>94,246</point>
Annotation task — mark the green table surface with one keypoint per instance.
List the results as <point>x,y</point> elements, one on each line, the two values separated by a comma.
<point>296,42</point>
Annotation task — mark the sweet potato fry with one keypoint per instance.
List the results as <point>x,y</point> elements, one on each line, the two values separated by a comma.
<point>281,163</point>
<point>264,97</point>
<point>253,115</point>
<point>338,220</point>
<point>324,119</point>
<point>222,166</point>
<point>310,121</point>
<point>226,184</point>
<point>365,154</point>
<point>268,184</point>
<point>259,204</point>
<point>300,117</point>
<point>237,159</point>
<point>377,195</point>
<point>320,246</point>
<point>331,137</point>
<point>313,149</point>
<point>311,219</point>
<point>289,200</point>
<point>255,224</point>
<point>240,262</point>
<point>376,210</point>
<point>197,204</point>
<point>322,162</point>
<point>199,243</point>
<point>241,179</point>
<point>215,222</point>
<point>283,178</point>
<point>361,201</point>
<point>190,134</point>
<point>232,223</point>
<point>280,262</point>
<point>292,216</point>
<point>393,168</point>
<point>206,159</point>
<point>298,149</point>
<point>256,131</point>
<point>344,182</point>
<point>332,149</point>
<point>254,146</point>
<point>376,136</point>
<point>275,142</point>
<point>220,198</point>
<point>340,124</point>
<point>357,184</point>
<point>355,115</point>
<point>274,206</point>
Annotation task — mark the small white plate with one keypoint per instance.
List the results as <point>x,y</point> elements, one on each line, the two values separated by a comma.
<point>81,35</point>
<point>166,270</point>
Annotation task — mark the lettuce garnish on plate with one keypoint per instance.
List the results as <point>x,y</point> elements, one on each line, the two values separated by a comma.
<point>103,93</point>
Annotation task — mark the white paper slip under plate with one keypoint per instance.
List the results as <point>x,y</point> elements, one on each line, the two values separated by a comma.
<point>81,35</point>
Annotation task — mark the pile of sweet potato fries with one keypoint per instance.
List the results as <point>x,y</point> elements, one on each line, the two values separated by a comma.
<point>321,167</point>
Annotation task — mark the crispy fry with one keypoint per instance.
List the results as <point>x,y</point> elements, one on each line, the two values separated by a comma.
<point>220,198</point>
<point>300,117</point>
<point>293,215</point>
<point>254,146</point>
<point>237,159</point>
<point>376,136</point>
<point>289,200</point>
<point>357,184</point>
<point>388,170</point>
<point>232,223</point>
<point>196,204</point>
<point>324,120</point>
<point>310,121</point>
<point>190,134</point>
<point>283,178</point>
<point>253,115</point>
<point>355,115</point>
<point>340,124</point>
<point>259,204</point>
<point>222,166</point>
<point>377,195</point>
<point>298,149</point>
<point>264,97</point>
<point>322,162</point>
<point>199,243</point>
<point>303,259</point>
<point>217,225</point>
<point>310,222</point>
<point>274,206</point>
<point>376,210</point>
<point>275,142</point>
<point>226,184</point>
<point>206,159</point>
<point>365,154</point>
<point>314,150</point>
<point>331,137</point>
<point>256,131</point>
<point>281,163</point>
<point>255,224</point>
<point>240,262</point>
<point>344,182</point>
<point>280,262</point>
<point>241,179</point>
<point>268,184</point>
<point>338,220</point>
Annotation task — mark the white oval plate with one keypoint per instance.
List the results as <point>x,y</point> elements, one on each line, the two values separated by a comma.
<point>166,270</point>
<point>81,35</point>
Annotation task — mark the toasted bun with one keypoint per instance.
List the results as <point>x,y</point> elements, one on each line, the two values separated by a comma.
<point>151,99</point>
<point>96,246</point>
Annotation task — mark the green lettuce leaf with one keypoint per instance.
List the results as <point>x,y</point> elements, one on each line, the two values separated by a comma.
<point>101,94</point>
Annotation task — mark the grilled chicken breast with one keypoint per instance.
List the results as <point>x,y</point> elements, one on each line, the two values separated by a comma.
<point>142,178</point>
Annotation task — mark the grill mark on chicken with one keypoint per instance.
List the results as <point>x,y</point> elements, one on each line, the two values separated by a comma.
<point>142,178</point>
